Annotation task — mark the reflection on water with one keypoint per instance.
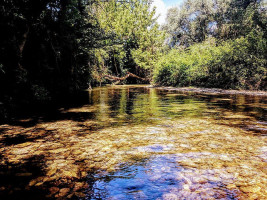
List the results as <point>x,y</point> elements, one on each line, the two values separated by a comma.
<point>161,177</point>
<point>134,142</point>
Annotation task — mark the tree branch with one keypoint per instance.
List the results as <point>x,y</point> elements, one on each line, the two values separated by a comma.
<point>119,79</point>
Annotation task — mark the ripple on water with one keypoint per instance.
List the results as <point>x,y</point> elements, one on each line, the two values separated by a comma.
<point>161,177</point>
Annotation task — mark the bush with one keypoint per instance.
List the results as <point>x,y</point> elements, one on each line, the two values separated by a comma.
<point>234,64</point>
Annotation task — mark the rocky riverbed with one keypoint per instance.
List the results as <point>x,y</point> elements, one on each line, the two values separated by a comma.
<point>139,143</point>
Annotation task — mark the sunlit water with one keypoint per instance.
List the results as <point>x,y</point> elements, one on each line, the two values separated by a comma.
<point>134,142</point>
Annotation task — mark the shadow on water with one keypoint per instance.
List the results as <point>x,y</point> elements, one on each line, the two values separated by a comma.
<point>15,178</point>
<point>18,139</point>
<point>30,115</point>
<point>50,116</point>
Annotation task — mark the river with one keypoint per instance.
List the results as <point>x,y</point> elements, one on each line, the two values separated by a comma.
<point>135,142</point>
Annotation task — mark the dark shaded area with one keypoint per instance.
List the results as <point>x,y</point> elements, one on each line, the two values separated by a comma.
<point>51,116</point>
<point>18,139</point>
<point>45,52</point>
<point>30,115</point>
<point>14,180</point>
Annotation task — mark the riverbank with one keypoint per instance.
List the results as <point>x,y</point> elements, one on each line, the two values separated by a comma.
<point>211,90</point>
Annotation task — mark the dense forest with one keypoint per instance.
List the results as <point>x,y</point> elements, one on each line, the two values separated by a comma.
<point>51,49</point>
<point>216,44</point>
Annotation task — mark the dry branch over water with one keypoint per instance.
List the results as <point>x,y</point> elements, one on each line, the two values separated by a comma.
<point>118,80</point>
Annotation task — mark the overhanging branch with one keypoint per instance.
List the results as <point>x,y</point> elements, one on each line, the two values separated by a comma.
<point>119,79</point>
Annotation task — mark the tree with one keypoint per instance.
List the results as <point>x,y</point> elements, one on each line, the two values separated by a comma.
<point>137,40</point>
<point>191,23</point>
<point>46,48</point>
<point>195,21</point>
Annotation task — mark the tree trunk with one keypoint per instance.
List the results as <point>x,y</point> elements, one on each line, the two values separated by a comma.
<point>21,47</point>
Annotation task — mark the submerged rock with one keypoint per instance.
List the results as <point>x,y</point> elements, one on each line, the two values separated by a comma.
<point>169,196</point>
<point>250,189</point>
<point>53,190</point>
<point>63,192</point>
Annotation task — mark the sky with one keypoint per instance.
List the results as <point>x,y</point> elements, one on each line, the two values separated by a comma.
<point>162,6</point>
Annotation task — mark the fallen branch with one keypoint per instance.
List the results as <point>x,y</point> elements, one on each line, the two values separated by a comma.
<point>114,78</point>
<point>119,79</point>
<point>138,77</point>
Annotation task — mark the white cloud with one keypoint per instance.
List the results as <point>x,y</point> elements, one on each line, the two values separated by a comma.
<point>161,10</point>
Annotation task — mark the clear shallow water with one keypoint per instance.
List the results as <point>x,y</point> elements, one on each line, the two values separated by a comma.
<point>133,142</point>
<point>161,177</point>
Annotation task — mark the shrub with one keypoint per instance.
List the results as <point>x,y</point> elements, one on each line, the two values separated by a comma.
<point>235,64</point>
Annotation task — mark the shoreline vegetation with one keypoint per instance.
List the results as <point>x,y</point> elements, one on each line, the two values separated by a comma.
<point>233,64</point>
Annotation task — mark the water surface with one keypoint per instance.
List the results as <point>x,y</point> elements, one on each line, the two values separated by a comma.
<point>134,142</point>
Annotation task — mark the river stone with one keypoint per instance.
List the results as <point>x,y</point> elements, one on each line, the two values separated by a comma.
<point>199,179</point>
<point>80,194</point>
<point>53,190</point>
<point>170,196</point>
<point>140,195</point>
<point>155,177</point>
<point>231,186</point>
<point>183,193</point>
<point>78,186</point>
<point>63,192</point>
<point>250,189</point>
<point>186,187</point>
<point>71,174</point>
<point>253,196</point>
<point>117,197</point>
<point>51,172</point>
<point>70,196</point>
<point>210,193</point>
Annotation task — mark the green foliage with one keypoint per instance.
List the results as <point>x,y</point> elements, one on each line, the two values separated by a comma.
<point>137,40</point>
<point>237,64</point>
<point>217,44</point>
<point>196,21</point>
<point>46,48</point>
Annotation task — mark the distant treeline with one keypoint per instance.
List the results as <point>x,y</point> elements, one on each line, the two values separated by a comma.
<point>219,44</point>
